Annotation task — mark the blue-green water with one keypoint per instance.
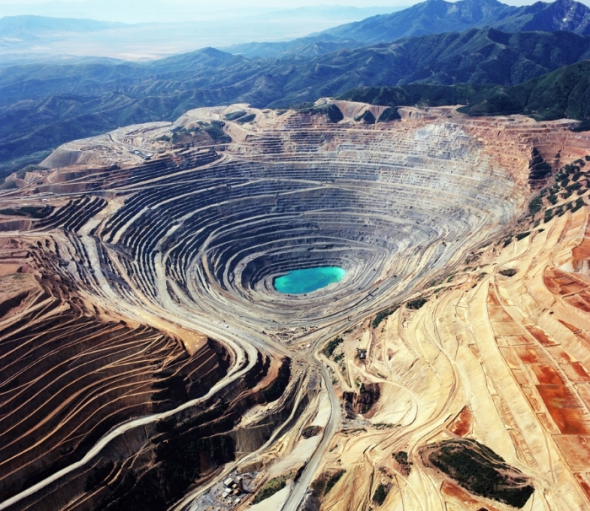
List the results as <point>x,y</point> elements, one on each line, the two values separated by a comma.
<point>297,282</point>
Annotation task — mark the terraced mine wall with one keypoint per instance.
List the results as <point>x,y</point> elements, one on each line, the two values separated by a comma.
<point>154,285</point>
<point>309,196</point>
<point>96,374</point>
<point>152,467</point>
<point>69,377</point>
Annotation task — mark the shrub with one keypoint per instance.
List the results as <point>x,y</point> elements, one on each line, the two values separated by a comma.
<point>367,117</point>
<point>215,133</point>
<point>380,494</point>
<point>535,205</point>
<point>575,186</point>
<point>269,489</point>
<point>381,316</point>
<point>402,458</point>
<point>552,199</point>
<point>389,114</point>
<point>332,345</point>
<point>311,431</point>
<point>577,205</point>
<point>246,118</point>
<point>548,215</point>
<point>416,304</point>
<point>481,471</point>
<point>333,480</point>
<point>331,111</point>
<point>232,116</point>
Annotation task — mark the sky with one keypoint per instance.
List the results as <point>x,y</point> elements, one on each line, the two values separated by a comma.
<point>136,11</point>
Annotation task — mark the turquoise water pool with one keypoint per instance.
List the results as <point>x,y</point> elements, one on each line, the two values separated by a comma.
<point>297,282</point>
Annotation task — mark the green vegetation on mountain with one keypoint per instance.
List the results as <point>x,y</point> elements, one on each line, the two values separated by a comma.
<point>416,94</point>
<point>561,93</point>
<point>564,93</point>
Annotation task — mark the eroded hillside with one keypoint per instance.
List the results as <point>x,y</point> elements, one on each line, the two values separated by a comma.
<point>148,360</point>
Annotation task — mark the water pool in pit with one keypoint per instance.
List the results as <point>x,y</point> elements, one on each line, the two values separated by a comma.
<point>307,280</point>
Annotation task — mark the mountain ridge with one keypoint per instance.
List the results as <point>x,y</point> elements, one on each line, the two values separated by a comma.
<point>428,18</point>
<point>439,16</point>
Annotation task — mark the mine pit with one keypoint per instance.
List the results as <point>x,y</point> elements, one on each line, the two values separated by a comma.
<point>296,305</point>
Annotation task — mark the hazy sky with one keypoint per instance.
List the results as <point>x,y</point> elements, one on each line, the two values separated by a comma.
<point>167,10</point>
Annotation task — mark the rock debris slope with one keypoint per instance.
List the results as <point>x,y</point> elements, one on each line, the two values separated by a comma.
<point>143,307</point>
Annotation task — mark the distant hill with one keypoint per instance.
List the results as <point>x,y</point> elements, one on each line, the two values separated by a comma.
<point>476,56</point>
<point>431,17</point>
<point>311,46</point>
<point>438,16</point>
<point>314,44</point>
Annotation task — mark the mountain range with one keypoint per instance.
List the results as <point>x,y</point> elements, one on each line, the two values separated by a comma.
<point>435,17</point>
<point>44,105</point>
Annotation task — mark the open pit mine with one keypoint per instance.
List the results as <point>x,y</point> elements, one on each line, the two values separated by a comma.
<point>150,359</point>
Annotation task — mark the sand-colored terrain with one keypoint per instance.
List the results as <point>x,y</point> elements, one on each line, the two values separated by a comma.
<point>146,352</point>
